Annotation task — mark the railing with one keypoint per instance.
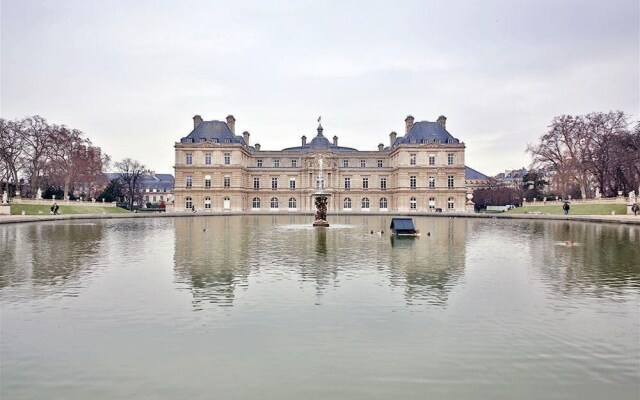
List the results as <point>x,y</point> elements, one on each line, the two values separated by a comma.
<point>607,200</point>
<point>18,200</point>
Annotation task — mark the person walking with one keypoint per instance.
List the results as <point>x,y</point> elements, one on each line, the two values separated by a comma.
<point>635,208</point>
<point>566,207</point>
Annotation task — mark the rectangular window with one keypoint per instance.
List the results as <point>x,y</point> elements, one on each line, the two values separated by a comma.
<point>259,163</point>
<point>365,183</point>
<point>383,183</point>
<point>432,159</point>
<point>207,158</point>
<point>189,158</point>
<point>294,163</point>
<point>379,163</point>
<point>345,163</point>
<point>189,180</point>
<point>227,181</point>
<point>227,158</point>
<point>450,159</point>
<point>347,183</point>
<point>292,183</point>
<point>363,163</point>
<point>432,182</point>
<point>413,181</point>
<point>256,183</point>
<point>412,159</point>
<point>207,181</point>
<point>450,181</point>
<point>276,163</point>
<point>274,183</point>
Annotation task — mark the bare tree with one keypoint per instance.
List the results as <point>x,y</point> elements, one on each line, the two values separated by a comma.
<point>10,151</point>
<point>130,174</point>
<point>36,139</point>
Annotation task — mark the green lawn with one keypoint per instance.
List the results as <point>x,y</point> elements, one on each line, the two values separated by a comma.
<point>576,209</point>
<point>45,209</point>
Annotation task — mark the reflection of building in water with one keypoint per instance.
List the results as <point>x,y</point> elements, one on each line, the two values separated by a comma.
<point>429,266</point>
<point>48,254</point>
<point>584,256</point>
<point>211,257</point>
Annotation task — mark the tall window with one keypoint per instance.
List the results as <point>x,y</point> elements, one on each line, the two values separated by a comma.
<point>413,203</point>
<point>365,183</point>
<point>276,163</point>
<point>294,163</point>
<point>346,204</point>
<point>256,183</point>
<point>363,163</point>
<point>255,204</point>
<point>379,163</point>
<point>432,203</point>
<point>450,181</point>
<point>293,204</point>
<point>189,158</point>
<point>188,203</point>
<point>413,181</point>
<point>432,182</point>
<point>292,183</point>
<point>450,159</point>
<point>227,158</point>
<point>412,159</point>
<point>345,163</point>
<point>383,203</point>
<point>450,203</point>
<point>383,183</point>
<point>274,183</point>
<point>365,203</point>
<point>274,203</point>
<point>227,181</point>
<point>207,181</point>
<point>259,163</point>
<point>189,180</point>
<point>207,158</point>
<point>347,183</point>
<point>207,202</point>
<point>432,159</point>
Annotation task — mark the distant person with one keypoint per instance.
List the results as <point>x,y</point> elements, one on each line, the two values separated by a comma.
<point>52,208</point>
<point>566,208</point>
<point>635,208</point>
<point>55,209</point>
<point>193,208</point>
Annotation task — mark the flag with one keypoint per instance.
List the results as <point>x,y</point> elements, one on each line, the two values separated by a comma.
<point>319,119</point>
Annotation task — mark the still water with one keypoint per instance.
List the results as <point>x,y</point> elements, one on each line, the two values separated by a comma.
<point>267,307</point>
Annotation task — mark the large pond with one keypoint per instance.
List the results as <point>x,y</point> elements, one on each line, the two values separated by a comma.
<point>267,307</point>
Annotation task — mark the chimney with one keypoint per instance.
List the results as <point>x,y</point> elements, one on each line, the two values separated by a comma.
<point>442,120</point>
<point>335,140</point>
<point>409,122</point>
<point>257,146</point>
<point>196,121</point>
<point>245,136</point>
<point>380,147</point>
<point>392,137</point>
<point>304,140</point>
<point>231,123</point>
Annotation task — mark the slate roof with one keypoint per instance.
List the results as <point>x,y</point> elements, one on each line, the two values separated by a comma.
<point>472,174</point>
<point>320,143</point>
<point>212,131</point>
<point>426,132</point>
<point>161,182</point>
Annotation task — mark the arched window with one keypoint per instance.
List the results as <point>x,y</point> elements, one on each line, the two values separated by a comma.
<point>413,203</point>
<point>274,203</point>
<point>346,204</point>
<point>207,202</point>
<point>293,204</point>
<point>188,203</point>
<point>226,203</point>
<point>365,203</point>
<point>450,203</point>
<point>432,203</point>
<point>383,203</point>
<point>256,203</point>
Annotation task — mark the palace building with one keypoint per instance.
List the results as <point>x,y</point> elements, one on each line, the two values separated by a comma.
<point>219,171</point>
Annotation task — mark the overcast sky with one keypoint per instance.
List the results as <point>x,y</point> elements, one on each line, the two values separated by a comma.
<point>132,74</point>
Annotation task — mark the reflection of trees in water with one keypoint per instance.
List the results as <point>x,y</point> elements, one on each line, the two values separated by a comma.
<point>598,257</point>
<point>429,266</point>
<point>48,254</point>
<point>211,257</point>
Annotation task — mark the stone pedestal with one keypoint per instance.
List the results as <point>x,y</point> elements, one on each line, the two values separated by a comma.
<point>5,209</point>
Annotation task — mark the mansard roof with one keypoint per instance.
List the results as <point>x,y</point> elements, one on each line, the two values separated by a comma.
<point>472,174</point>
<point>318,143</point>
<point>426,132</point>
<point>212,131</point>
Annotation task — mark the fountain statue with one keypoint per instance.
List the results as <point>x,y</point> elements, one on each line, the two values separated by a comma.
<point>321,198</point>
<point>39,194</point>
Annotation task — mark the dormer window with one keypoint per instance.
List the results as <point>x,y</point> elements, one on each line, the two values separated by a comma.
<point>215,140</point>
<point>227,140</point>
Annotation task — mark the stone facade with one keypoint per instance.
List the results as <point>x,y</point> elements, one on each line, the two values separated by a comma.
<point>218,171</point>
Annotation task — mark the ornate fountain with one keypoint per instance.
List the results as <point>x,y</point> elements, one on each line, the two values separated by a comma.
<point>321,198</point>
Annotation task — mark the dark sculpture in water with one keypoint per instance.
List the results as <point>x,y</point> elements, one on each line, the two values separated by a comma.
<point>321,211</point>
